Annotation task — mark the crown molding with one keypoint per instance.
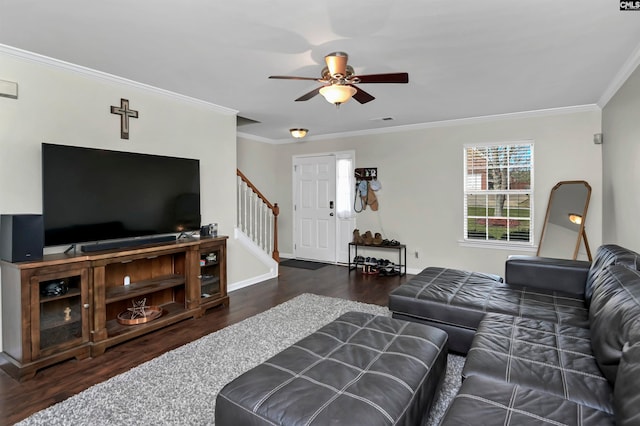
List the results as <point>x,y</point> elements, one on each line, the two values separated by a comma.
<point>106,77</point>
<point>468,121</point>
<point>260,138</point>
<point>436,124</point>
<point>621,77</point>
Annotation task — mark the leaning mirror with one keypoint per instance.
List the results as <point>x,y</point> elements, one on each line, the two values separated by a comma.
<point>564,224</point>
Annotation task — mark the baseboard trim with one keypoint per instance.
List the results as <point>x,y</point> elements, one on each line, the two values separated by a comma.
<point>251,281</point>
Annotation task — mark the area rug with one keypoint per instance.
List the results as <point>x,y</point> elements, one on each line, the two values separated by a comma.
<point>303,264</point>
<point>180,387</point>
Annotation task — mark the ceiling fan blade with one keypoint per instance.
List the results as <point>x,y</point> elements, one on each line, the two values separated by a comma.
<point>398,77</point>
<point>309,95</point>
<point>287,77</point>
<point>337,63</point>
<point>361,96</point>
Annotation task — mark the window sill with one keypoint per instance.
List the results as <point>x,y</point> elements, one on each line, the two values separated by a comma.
<point>498,245</point>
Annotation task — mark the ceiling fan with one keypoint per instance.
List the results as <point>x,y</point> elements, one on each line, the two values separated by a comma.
<point>339,81</point>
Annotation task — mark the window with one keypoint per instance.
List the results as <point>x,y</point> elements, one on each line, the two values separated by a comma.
<point>498,193</point>
<point>345,187</point>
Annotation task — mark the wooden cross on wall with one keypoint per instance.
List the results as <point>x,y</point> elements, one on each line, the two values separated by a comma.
<point>124,112</point>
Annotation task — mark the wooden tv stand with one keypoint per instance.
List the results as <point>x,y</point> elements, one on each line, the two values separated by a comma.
<point>67,305</point>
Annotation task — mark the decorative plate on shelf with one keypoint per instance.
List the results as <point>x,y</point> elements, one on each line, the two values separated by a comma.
<point>139,314</point>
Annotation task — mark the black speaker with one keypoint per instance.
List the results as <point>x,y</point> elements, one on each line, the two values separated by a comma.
<point>21,237</point>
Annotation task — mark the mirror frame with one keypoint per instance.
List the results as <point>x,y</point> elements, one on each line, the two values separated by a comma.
<point>582,235</point>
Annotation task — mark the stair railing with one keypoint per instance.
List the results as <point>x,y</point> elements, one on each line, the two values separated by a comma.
<point>257,217</point>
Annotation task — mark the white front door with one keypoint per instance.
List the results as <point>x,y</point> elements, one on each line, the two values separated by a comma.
<point>314,207</point>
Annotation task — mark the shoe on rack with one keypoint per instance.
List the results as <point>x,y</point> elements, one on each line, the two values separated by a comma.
<point>390,270</point>
<point>369,270</point>
<point>357,238</point>
<point>377,240</point>
<point>368,238</point>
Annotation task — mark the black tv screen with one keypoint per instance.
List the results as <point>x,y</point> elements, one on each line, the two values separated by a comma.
<point>92,195</point>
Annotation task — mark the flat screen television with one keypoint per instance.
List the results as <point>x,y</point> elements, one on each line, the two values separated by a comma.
<point>93,195</point>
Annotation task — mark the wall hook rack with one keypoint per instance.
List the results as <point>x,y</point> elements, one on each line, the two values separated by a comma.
<point>366,173</point>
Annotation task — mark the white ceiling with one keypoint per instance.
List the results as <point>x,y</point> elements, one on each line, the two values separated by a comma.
<point>465,58</point>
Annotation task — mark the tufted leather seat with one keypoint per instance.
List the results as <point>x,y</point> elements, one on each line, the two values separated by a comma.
<point>541,355</point>
<point>626,395</point>
<point>457,300</point>
<point>482,401</point>
<point>360,369</point>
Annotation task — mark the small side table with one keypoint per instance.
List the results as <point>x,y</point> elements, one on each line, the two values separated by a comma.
<point>401,249</point>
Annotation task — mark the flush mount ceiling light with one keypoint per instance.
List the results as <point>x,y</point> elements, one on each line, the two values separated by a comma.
<point>298,133</point>
<point>575,218</point>
<point>337,93</point>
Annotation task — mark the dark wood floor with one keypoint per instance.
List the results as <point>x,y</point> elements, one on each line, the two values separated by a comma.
<point>59,382</point>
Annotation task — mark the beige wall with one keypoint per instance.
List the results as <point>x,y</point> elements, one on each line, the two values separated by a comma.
<point>421,174</point>
<point>257,160</point>
<point>63,104</point>
<point>621,163</point>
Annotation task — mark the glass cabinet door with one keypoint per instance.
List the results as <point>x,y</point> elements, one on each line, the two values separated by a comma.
<point>209,273</point>
<point>59,317</point>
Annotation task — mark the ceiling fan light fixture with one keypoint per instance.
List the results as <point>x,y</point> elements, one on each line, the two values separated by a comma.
<point>298,133</point>
<point>337,93</point>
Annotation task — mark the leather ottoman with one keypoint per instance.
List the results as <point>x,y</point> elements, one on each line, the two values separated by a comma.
<point>360,369</point>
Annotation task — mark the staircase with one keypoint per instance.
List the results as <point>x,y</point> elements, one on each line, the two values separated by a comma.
<point>257,217</point>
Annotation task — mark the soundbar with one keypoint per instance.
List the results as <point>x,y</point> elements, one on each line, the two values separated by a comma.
<point>110,245</point>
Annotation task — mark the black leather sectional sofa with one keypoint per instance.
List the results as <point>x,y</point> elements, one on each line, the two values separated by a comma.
<point>555,342</point>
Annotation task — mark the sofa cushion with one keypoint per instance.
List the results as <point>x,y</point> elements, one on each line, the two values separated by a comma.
<point>569,276</point>
<point>614,315</point>
<point>542,355</point>
<point>461,298</point>
<point>609,254</point>
<point>482,401</point>
<point>627,397</point>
